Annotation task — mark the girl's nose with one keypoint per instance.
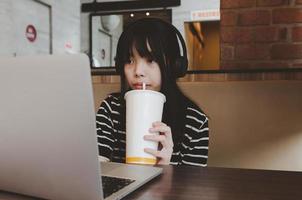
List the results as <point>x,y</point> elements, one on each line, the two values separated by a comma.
<point>139,70</point>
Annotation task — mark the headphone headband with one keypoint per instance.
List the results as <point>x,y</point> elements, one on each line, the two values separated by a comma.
<point>179,36</point>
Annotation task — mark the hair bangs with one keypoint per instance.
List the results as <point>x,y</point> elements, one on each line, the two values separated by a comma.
<point>146,45</point>
<point>144,48</point>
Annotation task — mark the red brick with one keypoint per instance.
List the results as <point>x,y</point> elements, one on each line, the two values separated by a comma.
<point>227,52</point>
<point>234,65</point>
<point>287,15</point>
<point>237,3</point>
<point>228,18</point>
<point>272,2</point>
<point>227,34</point>
<point>283,34</point>
<point>243,76</point>
<point>254,17</point>
<point>208,77</point>
<point>252,52</point>
<point>236,35</point>
<point>249,35</point>
<point>272,64</point>
<point>297,76</point>
<point>297,65</point>
<point>244,35</point>
<point>286,51</point>
<point>278,76</point>
<point>297,34</point>
<point>266,34</point>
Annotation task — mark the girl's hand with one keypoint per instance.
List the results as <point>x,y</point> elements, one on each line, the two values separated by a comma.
<point>165,139</point>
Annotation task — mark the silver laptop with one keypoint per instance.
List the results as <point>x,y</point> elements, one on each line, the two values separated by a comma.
<point>48,145</point>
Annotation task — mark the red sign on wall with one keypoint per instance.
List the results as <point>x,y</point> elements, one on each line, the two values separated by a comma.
<point>31,33</point>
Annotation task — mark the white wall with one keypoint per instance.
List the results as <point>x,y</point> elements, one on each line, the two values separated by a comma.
<point>65,25</point>
<point>6,36</point>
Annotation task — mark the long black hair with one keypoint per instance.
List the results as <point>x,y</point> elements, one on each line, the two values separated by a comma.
<point>164,49</point>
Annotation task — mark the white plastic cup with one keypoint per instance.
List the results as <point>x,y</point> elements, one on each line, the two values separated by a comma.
<point>143,107</point>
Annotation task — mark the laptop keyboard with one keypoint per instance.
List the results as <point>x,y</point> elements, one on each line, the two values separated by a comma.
<point>113,184</point>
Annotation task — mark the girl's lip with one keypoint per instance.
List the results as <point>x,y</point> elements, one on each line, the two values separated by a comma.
<point>139,86</point>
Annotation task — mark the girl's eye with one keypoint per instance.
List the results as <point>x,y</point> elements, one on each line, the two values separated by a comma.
<point>130,61</point>
<point>151,61</point>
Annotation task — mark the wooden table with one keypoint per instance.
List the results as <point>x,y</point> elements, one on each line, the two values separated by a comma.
<point>222,183</point>
<point>190,183</point>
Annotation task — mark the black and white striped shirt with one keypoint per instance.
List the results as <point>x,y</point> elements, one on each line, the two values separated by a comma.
<point>111,126</point>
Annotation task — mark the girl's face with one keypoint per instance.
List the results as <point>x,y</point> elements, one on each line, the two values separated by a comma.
<point>141,70</point>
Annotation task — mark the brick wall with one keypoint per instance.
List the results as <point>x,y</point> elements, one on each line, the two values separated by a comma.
<point>261,34</point>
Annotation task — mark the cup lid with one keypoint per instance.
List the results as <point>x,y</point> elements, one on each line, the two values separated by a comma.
<point>145,91</point>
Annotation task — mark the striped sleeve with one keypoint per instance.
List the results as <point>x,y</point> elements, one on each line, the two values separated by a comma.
<point>194,147</point>
<point>105,130</point>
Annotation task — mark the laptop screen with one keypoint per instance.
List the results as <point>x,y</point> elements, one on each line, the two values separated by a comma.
<point>47,127</point>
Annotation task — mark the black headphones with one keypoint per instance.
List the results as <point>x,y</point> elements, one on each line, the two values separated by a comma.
<point>181,63</point>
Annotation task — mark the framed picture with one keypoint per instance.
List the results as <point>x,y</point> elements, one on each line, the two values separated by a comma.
<point>102,53</point>
<point>105,31</point>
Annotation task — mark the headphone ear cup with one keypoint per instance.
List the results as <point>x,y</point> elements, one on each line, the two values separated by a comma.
<point>181,66</point>
<point>117,64</point>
